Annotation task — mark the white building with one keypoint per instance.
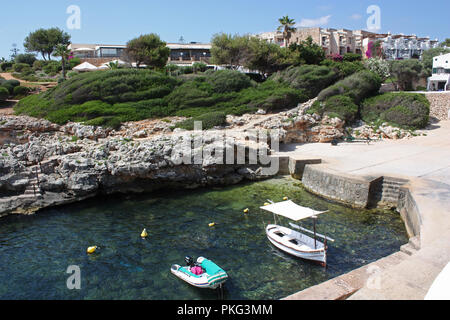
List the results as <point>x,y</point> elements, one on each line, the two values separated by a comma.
<point>405,47</point>
<point>440,80</point>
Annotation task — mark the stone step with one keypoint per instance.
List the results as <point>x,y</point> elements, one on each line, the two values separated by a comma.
<point>408,249</point>
<point>390,185</point>
<point>391,192</point>
<point>390,195</point>
<point>394,182</point>
<point>415,242</point>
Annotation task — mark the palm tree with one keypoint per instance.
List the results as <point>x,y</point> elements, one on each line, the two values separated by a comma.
<point>62,51</point>
<point>113,65</point>
<point>287,26</point>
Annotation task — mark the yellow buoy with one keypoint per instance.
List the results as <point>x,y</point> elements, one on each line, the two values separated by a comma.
<point>212,224</point>
<point>91,249</point>
<point>246,210</point>
<point>144,233</point>
<point>285,198</point>
<point>266,204</point>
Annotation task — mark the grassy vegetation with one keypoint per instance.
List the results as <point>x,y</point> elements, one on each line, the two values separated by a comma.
<point>311,79</point>
<point>115,96</point>
<point>358,87</point>
<point>407,110</point>
<point>338,106</point>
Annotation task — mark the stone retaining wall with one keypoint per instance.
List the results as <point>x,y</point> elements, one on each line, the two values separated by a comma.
<point>423,206</point>
<point>353,191</point>
<point>440,105</point>
<point>409,212</point>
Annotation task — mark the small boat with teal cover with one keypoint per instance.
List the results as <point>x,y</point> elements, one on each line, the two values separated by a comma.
<point>202,274</point>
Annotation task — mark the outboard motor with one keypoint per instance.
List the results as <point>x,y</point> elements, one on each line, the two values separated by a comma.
<point>189,261</point>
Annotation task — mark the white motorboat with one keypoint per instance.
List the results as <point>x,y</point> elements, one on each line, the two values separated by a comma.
<point>293,242</point>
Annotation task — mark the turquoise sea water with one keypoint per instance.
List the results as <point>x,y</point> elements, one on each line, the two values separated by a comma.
<point>35,251</point>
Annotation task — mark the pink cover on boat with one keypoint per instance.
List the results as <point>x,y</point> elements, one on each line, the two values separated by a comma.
<point>197,270</point>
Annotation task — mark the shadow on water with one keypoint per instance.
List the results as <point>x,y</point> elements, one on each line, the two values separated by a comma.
<point>36,250</point>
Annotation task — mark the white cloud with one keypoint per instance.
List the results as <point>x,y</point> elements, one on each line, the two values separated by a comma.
<point>356,16</point>
<point>308,23</point>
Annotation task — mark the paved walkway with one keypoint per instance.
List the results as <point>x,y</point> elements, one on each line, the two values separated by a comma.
<point>423,157</point>
<point>425,161</point>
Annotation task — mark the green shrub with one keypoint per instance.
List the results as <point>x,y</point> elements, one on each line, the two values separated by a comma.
<point>13,82</point>
<point>38,65</point>
<point>71,74</point>
<point>352,57</point>
<point>10,85</point>
<point>73,63</point>
<point>5,66</point>
<point>52,67</point>
<point>344,68</point>
<point>409,110</point>
<point>111,85</point>
<point>21,67</point>
<point>208,120</point>
<point>340,106</point>
<point>199,67</point>
<point>21,91</point>
<point>115,96</point>
<point>358,87</point>
<point>223,81</point>
<point>27,58</point>
<point>310,78</point>
<point>4,93</point>
<point>406,72</point>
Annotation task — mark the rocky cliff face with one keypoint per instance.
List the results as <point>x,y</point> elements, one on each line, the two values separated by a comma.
<point>43,164</point>
<point>51,165</point>
<point>296,126</point>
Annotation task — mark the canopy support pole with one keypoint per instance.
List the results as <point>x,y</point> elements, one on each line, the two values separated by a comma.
<point>315,238</point>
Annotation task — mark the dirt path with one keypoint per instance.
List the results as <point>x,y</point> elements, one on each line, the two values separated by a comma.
<point>43,86</point>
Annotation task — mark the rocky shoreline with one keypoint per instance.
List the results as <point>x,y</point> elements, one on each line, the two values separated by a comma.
<point>43,164</point>
<point>58,165</point>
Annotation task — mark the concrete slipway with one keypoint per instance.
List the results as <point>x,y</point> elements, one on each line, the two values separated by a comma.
<point>424,203</point>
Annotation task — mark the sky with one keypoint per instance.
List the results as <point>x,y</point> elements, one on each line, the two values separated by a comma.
<point>116,22</point>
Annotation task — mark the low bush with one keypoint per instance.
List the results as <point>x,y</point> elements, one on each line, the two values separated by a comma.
<point>115,96</point>
<point>4,93</point>
<point>52,67</point>
<point>358,87</point>
<point>21,67</point>
<point>21,91</point>
<point>352,57</point>
<point>73,63</point>
<point>410,110</point>
<point>339,106</point>
<point>223,81</point>
<point>38,65</point>
<point>208,120</point>
<point>27,58</point>
<point>10,85</point>
<point>6,66</point>
<point>199,67</point>
<point>309,78</point>
<point>344,68</point>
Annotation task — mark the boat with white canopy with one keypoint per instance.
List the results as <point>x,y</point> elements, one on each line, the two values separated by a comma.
<point>294,242</point>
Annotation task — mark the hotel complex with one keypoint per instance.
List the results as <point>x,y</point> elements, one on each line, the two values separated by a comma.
<point>180,53</point>
<point>342,41</point>
<point>333,41</point>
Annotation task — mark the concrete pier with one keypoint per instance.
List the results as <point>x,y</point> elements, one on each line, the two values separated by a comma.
<point>412,175</point>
